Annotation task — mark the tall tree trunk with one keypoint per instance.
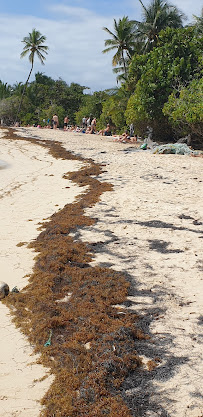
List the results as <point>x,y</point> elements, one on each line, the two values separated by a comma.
<point>25,86</point>
<point>124,65</point>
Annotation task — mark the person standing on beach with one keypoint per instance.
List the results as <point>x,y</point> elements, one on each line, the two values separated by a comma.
<point>88,122</point>
<point>131,130</point>
<point>84,122</point>
<point>93,125</point>
<point>65,123</point>
<point>55,121</point>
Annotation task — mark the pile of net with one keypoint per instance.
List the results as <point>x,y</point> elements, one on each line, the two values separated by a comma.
<point>174,148</point>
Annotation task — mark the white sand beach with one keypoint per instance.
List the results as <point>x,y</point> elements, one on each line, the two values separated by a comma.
<point>32,188</point>
<point>149,227</point>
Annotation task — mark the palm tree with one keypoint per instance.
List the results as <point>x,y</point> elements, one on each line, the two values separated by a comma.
<point>33,44</point>
<point>122,40</point>
<point>158,15</point>
<point>199,23</point>
<point>122,69</point>
<point>5,90</point>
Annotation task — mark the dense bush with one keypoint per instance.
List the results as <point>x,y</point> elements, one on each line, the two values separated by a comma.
<point>177,59</point>
<point>185,111</point>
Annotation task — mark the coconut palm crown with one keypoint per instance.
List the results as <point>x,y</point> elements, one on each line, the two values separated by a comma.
<point>33,44</point>
<point>199,23</point>
<point>158,15</point>
<point>122,40</point>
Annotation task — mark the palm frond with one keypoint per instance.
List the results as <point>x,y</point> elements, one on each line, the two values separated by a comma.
<point>109,49</point>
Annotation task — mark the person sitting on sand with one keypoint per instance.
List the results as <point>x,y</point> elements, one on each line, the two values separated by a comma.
<point>133,138</point>
<point>88,130</point>
<point>125,137</point>
<point>105,132</point>
<point>77,129</point>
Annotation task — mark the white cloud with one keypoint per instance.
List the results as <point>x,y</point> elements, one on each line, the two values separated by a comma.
<point>72,12</point>
<point>75,48</point>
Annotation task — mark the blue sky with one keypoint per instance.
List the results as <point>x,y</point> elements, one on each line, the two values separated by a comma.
<point>74,35</point>
<point>42,8</point>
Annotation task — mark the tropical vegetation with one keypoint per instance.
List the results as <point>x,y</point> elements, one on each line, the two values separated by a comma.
<point>158,64</point>
<point>174,63</point>
<point>157,16</point>
<point>33,44</point>
<point>123,41</point>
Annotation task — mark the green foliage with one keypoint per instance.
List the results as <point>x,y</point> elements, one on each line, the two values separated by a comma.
<point>113,111</point>
<point>39,95</point>
<point>91,106</point>
<point>185,112</point>
<point>9,106</point>
<point>123,41</point>
<point>83,112</point>
<point>34,44</point>
<point>69,97</point>
<point>157,16</point>
<point>177,58</point>
<point>199,24</point>
<point>5,90</point>
<point>148,79</point>
<point>29,119</point>
<point>43,79</point>
<point>17,89</point>
<point>136,113</point>
<point>49,112</point>
<point>47,96</point>
<point>132,37</point>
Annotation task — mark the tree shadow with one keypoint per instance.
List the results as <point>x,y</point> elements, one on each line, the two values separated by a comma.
<point>139,390</point>
<point>162,225</point>
<point>161,246</point>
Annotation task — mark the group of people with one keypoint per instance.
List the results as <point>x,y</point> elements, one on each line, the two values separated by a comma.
<point>55,122</point>
<point>126,137</point>
<point>89,127</point>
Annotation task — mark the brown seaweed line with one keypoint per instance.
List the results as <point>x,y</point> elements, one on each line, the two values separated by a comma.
<point>92,348</point>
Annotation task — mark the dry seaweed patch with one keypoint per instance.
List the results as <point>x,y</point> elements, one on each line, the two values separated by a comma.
<point>90,346</point>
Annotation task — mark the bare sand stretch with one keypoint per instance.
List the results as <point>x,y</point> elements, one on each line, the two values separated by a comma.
<point>150,227</point>
<point>32,188</point>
